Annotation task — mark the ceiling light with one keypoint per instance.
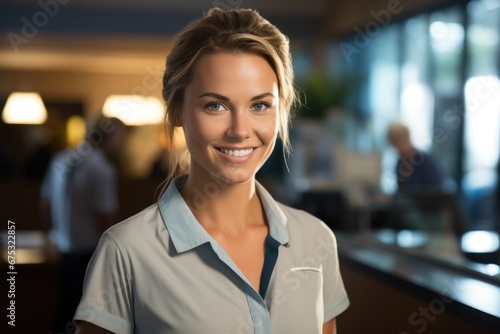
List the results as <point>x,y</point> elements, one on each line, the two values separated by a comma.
<point>24,108</point>
<point>134,109</point>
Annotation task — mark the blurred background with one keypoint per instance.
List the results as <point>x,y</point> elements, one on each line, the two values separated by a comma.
<point>432,65</point>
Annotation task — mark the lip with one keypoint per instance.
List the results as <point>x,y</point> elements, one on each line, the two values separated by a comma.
<point>235,159</point>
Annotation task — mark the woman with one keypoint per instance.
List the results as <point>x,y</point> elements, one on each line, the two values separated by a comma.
<point>217,254</point>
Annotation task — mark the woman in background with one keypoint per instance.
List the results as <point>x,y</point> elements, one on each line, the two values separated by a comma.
<point>217,254</point>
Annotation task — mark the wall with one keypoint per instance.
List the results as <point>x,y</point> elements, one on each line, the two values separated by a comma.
<point>89,87</point>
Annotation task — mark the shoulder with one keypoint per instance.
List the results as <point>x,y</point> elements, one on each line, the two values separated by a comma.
<point>58,166</point>
<point>59,158</point>
<point>311,241</point>
<point>97,163</point>
<point>426,157</point>
<point>136,230</point>
<point>61,155</point>
<point>430,162</point>
<point>304,226</point>
<point>296,221</point>
<point>298,216</point>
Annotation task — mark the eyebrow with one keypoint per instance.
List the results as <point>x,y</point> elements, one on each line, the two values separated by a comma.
<point>226,99</point>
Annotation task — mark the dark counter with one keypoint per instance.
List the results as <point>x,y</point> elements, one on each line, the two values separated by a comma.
<point>426,292</point>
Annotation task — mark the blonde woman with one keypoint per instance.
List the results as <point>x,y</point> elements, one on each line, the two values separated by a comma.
<point>217,254</point>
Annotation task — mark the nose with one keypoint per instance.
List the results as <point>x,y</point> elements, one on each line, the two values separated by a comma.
<point>240,125</point>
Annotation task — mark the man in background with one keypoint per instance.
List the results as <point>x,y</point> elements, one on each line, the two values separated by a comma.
<point>78,203</point>
<point>415,170</point>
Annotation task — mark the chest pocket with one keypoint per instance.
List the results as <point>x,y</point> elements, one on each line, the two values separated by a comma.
<point>296,301</point>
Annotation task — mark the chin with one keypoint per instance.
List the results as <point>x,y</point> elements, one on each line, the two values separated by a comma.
<point>234,178</point>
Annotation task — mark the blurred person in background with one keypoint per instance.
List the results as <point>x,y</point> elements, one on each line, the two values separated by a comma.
<point>78,202</point>
<point>424,191</point>
<point>415,170</point>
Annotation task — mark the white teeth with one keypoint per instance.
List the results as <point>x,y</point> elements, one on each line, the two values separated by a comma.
<point>237,153</point>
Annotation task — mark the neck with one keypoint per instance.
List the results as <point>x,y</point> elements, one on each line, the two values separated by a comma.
<point>219,205</point>
<point>409,152</point>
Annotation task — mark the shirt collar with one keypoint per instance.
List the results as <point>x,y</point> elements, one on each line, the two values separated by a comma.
<point>185,231</point>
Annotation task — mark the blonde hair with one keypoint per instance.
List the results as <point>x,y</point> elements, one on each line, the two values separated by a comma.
<point>237,31</point>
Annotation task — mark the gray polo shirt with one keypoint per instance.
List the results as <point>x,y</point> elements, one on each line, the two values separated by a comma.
<point>161,272</point>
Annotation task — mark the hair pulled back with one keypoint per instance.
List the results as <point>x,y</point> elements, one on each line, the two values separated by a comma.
<point>233,31</point>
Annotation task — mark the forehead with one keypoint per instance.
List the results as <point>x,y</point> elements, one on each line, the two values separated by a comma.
<point>233,71</point>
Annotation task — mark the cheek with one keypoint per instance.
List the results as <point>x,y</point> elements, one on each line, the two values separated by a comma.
<point>269,129</point>
<point>269,132</point>
<point>203,130</point>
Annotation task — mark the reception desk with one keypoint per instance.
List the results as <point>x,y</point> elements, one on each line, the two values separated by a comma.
<point>404,290</point>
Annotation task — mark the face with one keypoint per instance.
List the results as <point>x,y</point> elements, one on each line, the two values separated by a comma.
<point>230,116</point>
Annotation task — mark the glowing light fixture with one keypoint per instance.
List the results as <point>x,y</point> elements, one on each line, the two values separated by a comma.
<point>24,108</point>
<point>134,109</point>
<point>75,130</point>
<point>480,242</point>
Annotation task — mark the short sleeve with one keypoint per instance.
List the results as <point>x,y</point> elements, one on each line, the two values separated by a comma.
<point>107,296</point>
<point>334,293</point>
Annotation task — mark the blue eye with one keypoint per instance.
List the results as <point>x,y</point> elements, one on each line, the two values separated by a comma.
<point>214,106</point>
<point>261,106</point>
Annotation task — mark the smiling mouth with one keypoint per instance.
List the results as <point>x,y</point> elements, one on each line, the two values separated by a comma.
<point>236,153</point>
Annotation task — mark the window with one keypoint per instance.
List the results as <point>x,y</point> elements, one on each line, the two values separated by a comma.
<point>482,112</point>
